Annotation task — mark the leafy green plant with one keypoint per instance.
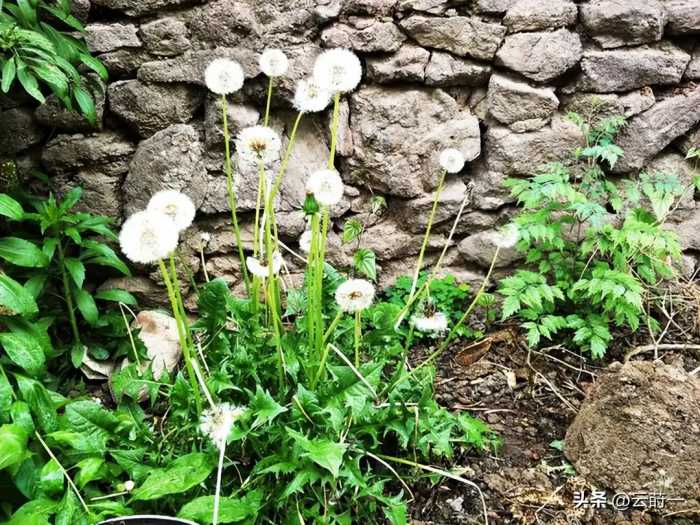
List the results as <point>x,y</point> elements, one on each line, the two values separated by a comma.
<point>595,247</point>
<point>39,47</point>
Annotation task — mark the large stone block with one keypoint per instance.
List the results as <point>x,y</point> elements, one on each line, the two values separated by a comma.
<point>19,131</point>
<point>650,132</point>
<point>536,15</point>
<point>165,37</point>
<point>54,114</point>
<point>446,70</point>
<point>616,23</point>
<point>541,56</point>
<point>141,7</point>
<point>367,35</point>
<point>69,153</point>
<point>513,153</point>
<point>519,105</point>
<point>170,159</point>
<point>148,108</point>
<point>398,135</point>
<point>407,64</point>
<point>627,69</point>
<point>102,38</point>
<point>683,17</point>
<point>461,35</point>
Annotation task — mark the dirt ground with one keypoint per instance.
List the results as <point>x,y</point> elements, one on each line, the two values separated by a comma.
<point>529,398</point>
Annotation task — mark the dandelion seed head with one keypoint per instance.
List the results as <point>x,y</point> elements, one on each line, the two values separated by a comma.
<point>258,144</point>
<point>258,269</point>
<point>310,97</point>
<point>147,237</point>
<point>435,322</point>
<point>216,423</point>
<point>507,237</point>
<point>326,186</point>
<point>305,241</point>
<point>176,205</point>
<point>452,160</point>
<point>129,485</point>
<point>354,295</point>
<point>338,70</point>
<point>224,76</point>
<point>274,63</point>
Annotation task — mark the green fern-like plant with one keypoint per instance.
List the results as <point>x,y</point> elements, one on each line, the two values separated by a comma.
<point>594,247</point>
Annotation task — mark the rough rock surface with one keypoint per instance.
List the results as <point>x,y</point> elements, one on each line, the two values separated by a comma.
<point>514,153</point>
<point>141,7</point>
<point>396,148</point>
<point>101,38</point>
<point>154,167</point>
<point>616,23</point>
<point>148,108</point>
<point>461,35</point>
<point>541,56</point>
<point>446,70</point>
<point>364,34</point>
<point>683,17</point>
<point>626,69</point>
<point>54,115</point>
<point>536,15</point>
<point>638,430</point>
<point>650,132</point>
<point>165,37</point>
<point>69,153</point>
<point>519,105</point>
<point>480,249</point>
<point>19,131</point>
<point>407,64</point>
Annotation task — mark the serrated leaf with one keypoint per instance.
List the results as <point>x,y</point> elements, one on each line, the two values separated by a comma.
<point>365,262</point>
<point>231,509</point>
<point>180,476</point>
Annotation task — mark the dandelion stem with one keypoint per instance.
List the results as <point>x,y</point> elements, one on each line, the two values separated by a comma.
<point>232,201</point>
<point>269,100</point>
<point>219,475</point>
<point>334,130</point>
<point>358,336</point>
<point>181,335</point>
<point>68,295</point>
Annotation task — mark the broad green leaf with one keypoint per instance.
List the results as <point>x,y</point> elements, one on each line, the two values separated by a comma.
<point>180,476</point>
<point>9,71</point>
<point>86,305</point>
<point>22,417</point>
<point>10,208</point>
<point>76,270</point>
<point>352,230</point>
<point>88,416</point>
<point>231,510</point>
<point>51,478</point>
<point>365,262</point>
<point>117,295</point>
<point>89,469</point>
<point>85,103</point>
<point>264,407</point>
<point>13,444</point>
<point>24,351</point>
<point>39,400</point>
<point>68,511</point>
<point>95,65</point>
<point>29,82</point>
<point>35,512</point>
<point>5,397</point>
<point>22,253</point>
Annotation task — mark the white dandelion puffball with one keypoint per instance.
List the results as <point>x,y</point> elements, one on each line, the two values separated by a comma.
<point>274,63</point>
<point>305,241</point>
<point>435,323</point>
<point>224,76</point>
<point>326,186</point>
<point>507,237</point>
<point>258,144</point>
<point>338,70</point>
<point>310,97</point>
<point>452,160</point>
<point>178,206</point>
<point>261,270</point>
<point>354,295</point>
<point>148,237</point>
<point>205,237</point>
<point>129,485</point>
<point>216,423</point>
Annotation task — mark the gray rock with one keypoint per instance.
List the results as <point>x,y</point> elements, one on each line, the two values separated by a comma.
<point>125,62</point>
<point>689,140</point>
<point>683,17</point>
<point>147,292</point>
<point>637,101</point>
<point>367,35</point>
<point>627,69</point>
<point>53,113</point>
<point>407,64</point>
<point>101,38</point>
<point>519,105</point>
<point>141,7</point>
<point>541,56</point>
<point>368,7</point>
<point>461,35</point>
<point>345,146</point>
<point>480,249</point>
<point>599,106</point>
<point>494,7</point>
<point>70,153</point>
<point>692,72</point>
<point>672,163</point>
<point>19,131</point>
<point>616,23</point>
<point>489,191</point>
<point>513,153</point>
<point>688,231</point>
<point>170,159</point>
<point>148,108</point>
<point>165,37</point>
<point>445,70</point>
<point>650,132</point>
<point>225,23</point>
<point>402,243</point>
<point>398,135</point>
<point>536,15</point>
<point>413,214</point>
<point>80,9</point>
<point>434,7</point>
<point>101,190</point>
<point>239,116</point>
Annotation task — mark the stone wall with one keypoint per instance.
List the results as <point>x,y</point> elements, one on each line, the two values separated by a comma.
<point>492,77</point>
